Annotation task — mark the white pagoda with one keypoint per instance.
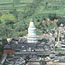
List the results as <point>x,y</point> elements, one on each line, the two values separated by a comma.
<point>32,37</point>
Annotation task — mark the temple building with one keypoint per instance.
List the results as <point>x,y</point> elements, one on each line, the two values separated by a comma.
<point>60,35</point>
<point>32,37</point>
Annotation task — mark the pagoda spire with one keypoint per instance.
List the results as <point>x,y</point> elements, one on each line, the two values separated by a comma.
<point>32,37</point>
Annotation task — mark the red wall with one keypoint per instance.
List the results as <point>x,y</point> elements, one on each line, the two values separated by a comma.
<point>10,52</point>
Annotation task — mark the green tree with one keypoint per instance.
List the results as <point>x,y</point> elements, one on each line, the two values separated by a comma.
<point>14,12</point>
<point>5,32</point>
<point>8,19</point>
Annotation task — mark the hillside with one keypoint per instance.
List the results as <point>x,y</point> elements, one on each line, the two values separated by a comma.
<point>53,6</point>
<point>24,10</point>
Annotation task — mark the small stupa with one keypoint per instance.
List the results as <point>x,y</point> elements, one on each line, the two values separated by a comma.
<point>32,37</point>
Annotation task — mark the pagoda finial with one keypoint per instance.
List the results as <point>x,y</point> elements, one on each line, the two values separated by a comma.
<point>31,25</point>
<point>32,20</point>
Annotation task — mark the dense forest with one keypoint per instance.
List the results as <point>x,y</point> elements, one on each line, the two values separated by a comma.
<point>15,16</point>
